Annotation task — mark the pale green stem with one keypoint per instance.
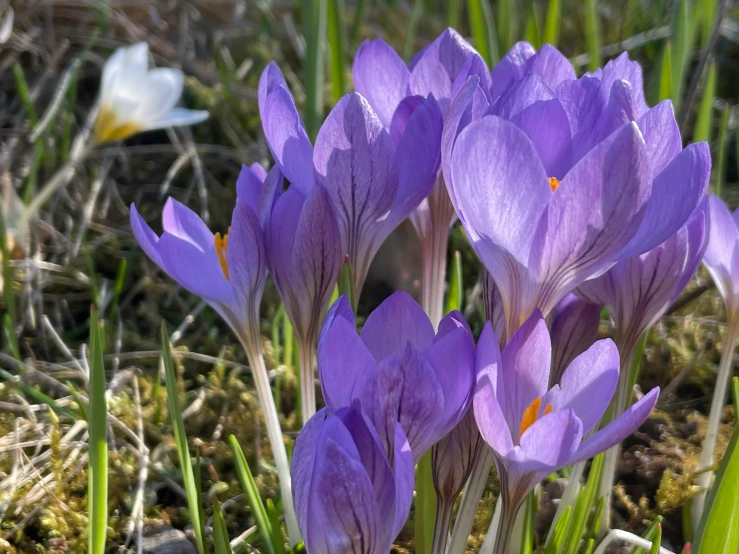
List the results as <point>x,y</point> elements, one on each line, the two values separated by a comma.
<point>619,405</point>
<point>505,529</point>
<point>253,348</point>
<point>433,253</point>
<point>706,460</point>
<point>569,497</point>
<point>441,527</point>
<point>625,536</point>
<point>306,356</point>
<point>470,500</point>
<point>489,543</point>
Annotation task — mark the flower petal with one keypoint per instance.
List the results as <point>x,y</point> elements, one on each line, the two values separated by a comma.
<point>249,185</point>
<point>510,68</point>
<point>574,328</point>
<point>588,384</point>
<point>185,224</point>
<point>163,90</point>
<point>270,79</point>
<point>176,117</point>
<point>247,260</point>
<point>489,394</point>
<point>147,239</point>
<point>287,138</point>
<point>676,192</point>
<point>661,135</point>
<point>619,429</point>
<point>134,58</point>
<point>622,68</point>
<point>549,443</point>
<point>398,321</point>
<point>380,75</point>
<point>549,64</point>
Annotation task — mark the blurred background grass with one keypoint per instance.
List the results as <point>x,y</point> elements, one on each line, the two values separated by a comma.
<point>81,251</point>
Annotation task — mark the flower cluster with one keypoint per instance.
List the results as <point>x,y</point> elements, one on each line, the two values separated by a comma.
<point>573,192</point>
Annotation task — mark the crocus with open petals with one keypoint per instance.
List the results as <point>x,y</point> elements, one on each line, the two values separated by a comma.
<point>350,494</point>
<point>229,273</point>
<point>373,182</point>
<point>533,429</point>
<point>398,369</point>
<point>134,98</point>
<point>395,90</point>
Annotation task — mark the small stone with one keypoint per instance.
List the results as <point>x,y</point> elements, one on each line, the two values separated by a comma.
<point>163,539</point>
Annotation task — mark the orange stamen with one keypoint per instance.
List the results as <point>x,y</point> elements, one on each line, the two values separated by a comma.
<point>531,415</point>
<point>221,244</point>
<point>553,183</point>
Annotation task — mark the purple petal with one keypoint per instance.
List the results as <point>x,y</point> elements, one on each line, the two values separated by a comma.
<point>549,443</point>
<point>722,242</point>
<point>340,308</point>
<point>525,368</point>
<point>453,456</point>
<point>346,368</point>
<point>270,79</point>
<point>623,68</point>
<point>249,185</point>
<point>147,239</point>
<point>488,394</point>
<point>676,192</point>
<point>404,480</point>
<point>355,162</point>
<point>549,64</point>
<point>574,328</point>
<point>521,95</point>
<point>451,322</point>
<point>402,114</point>
<point>510,68</point>
<point>474,65</point>
<point>398,321</point>
<point>583,104</point>
<point>287,138</point>
<point>619,429</point>
<point>380,75</point>
<point>247,263</point>
<point>316,259</point>
<point>593,214</point>
<point>493,304</point>
<point>490,155</point>
<point>661,135</point>
<point>588,384</point>
<point>436,69</point>
<point>185,224</point>
<point>280,229</point>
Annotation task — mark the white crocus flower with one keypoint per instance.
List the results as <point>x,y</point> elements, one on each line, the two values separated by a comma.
<point>134,98</point>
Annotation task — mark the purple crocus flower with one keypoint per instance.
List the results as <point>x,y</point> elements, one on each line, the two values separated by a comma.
<point>395,90</point>
<point>350,494</point>
<point>229,273</point>
<point>534,430</point>
<point>304,255</point>
<point>398,369</point>
<point>598,179</point>
<point>373,182</point>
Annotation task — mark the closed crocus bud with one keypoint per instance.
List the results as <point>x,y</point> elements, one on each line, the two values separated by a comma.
<point>134,98</point>
<point>573,325</point>
<point>398,369</point>
<point>350,494</point>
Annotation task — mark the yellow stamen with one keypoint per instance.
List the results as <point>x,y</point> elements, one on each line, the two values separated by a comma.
<point>108,128</point>
<point>221,250</point>
<point>553,183</point>
<point>531,415</point>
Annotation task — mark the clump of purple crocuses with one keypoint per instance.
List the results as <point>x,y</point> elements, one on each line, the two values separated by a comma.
<point>574,193</point>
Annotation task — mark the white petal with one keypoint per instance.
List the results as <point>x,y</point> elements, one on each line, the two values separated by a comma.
<point>135,58</point>
<point>177,117</point>
<point>162,90</point>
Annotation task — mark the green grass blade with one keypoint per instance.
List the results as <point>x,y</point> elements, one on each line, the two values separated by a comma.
<point>583,506</point>
<point>426,504</point>
<point>273,515</point>
<point>681,48</point>
<point>705,110</point>
<point>221,543</point>
<point>735,395</point>
<point>665,73</point>
<point>8,292</point>
<point>315,33</point>
<point>706,19</point>
<point>552,22</point>
<point>718,530</point>
<point>532,30</point>
<point>529,532</point>
<point>183,450</point>
<point>650,534</point>
<point>97,426</point>
<point>410,35</point>
<point>592,34</point>
<point>657,540</point>
<point>10,338</point>
<point>453,11</point>
<point>636,363</point>
<point>483,32</point>
<point>336,48</point>
<point>251,492</point>
<point>507,25</point>
<point>555,543</point>
<point>24,94</point>
<point>454,297</point>
<point>720,170</point>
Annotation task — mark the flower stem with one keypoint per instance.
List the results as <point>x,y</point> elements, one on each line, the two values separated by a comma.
<point>441,527</point>
<point>253,347</point>
<point>426,506</point>
<point>306,355</point>
<point>433,253</point>
<point>505,530</point>
<point>470,500</point>
<point>706,460</point>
